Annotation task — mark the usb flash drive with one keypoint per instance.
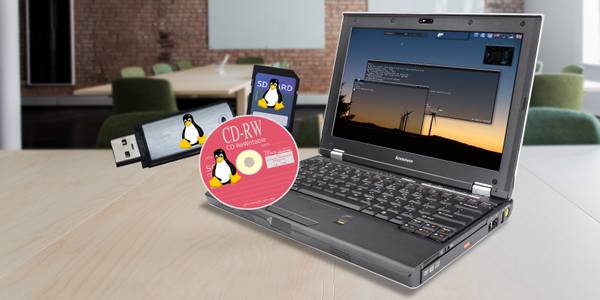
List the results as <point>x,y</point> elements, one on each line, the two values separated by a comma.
<point>171,138</point>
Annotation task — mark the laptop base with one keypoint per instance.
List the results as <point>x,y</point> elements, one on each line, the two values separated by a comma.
<point>399,257</point>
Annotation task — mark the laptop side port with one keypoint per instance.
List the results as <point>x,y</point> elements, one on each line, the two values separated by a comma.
<point>505,214</point>
<point>493,223</point>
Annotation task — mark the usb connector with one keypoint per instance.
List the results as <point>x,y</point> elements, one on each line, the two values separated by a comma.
<point>125,150</point>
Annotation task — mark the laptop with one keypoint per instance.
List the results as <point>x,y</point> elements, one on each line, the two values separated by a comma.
<point>420,143</point>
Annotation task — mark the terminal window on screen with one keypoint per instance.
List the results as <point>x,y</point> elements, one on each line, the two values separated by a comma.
<point>466,94</point>
<point>440,94</point>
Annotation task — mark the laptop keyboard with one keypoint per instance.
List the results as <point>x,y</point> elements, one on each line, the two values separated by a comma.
<point>415,207</point>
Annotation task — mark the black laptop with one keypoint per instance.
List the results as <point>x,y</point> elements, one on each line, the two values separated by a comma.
<point>420,142</point>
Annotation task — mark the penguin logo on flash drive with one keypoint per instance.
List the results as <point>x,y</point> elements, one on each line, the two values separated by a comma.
<point>192,133</point>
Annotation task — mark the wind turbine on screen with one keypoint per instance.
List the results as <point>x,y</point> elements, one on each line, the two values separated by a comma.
<point>404,120</point>
<point>433,112</point>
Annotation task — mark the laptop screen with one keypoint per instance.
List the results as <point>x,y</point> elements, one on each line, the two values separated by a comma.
<point>442,94</point>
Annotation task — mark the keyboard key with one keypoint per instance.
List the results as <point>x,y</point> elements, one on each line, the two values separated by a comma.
<point>383,215</point>
<point>400,220</point>
<point>369,211</point>
<point>416,222</point>
<point>452,218</point>
<point>446,230</point>
<point>474,207</point>
<point>427,211</point>
<point>423,232</point>
<point>409,227</point>
<point>439,221</point>
<point>430,226</point>
<point>440,237</point>
<point>467,213</point>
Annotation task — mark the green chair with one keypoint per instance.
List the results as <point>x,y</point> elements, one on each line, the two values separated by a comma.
<point>250,60</point>
<point>556,126</point>
<point>539,67</point>
<point>575,69</point>
<point>142,94</point>
<point>129,72</point>
<point>162,68</point>
<point>122,124</point>
<point>557,90</point>
<point>308,134</point>
<point>185,64</point>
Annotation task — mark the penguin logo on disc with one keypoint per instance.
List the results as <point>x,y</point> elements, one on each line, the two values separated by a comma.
<point>272,98</point>
<point>224,171</point>
<point>192,133</point>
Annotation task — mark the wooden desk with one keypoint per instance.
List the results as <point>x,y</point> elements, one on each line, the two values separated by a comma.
<point>199,82</point>
<point>75,227</point>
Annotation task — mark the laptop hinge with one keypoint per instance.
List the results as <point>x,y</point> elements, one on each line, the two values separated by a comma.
<point>336,154</point>
<point>481,189</point>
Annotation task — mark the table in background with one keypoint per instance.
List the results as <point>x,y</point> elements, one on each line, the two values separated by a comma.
<point>199,82</point>
<point>74,226</point>
<point>590,86</point>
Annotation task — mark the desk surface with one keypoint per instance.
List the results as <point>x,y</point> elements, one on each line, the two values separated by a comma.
<point>198,81</point>
<point>74,226</point>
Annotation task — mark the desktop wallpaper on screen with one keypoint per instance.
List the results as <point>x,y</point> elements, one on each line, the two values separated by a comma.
<point>444,94</point>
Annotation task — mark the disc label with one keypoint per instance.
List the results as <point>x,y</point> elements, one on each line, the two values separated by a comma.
<point>249,162</point>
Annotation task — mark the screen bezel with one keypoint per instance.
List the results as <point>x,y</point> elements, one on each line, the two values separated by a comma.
<point>442,171</point>
<point>279,72</point>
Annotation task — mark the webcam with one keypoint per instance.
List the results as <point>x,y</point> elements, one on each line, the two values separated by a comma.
<point>425,21</point>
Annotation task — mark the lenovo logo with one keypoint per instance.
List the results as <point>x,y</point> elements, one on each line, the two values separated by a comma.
<point>404,159</point>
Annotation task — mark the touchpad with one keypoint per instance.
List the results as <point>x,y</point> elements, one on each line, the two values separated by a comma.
<point>300,209</point>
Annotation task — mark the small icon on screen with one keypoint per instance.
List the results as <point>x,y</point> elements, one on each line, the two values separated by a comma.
<point>490,35</point>
<point>519,36</point>
<point>440,35</point>
<point>476,34</point>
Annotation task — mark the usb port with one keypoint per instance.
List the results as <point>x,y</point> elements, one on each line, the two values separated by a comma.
<point>493,224</point>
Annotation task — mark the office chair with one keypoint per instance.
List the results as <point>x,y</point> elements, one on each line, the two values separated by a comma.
<point>250,60</point>
<point>558,126</point>
<point>563,90</point>
<point>185,64</point>
<point>131,72</point>
<point>162,68</point>
<point>575,69</point>
<point>142,94</point>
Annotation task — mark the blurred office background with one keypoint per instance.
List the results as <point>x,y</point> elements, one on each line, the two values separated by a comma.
<point>55,54</point>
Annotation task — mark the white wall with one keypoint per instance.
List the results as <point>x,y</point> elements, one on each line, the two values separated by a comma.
<point>426,6</point>
<point>562,35</point>
<point>10,93</point>
<point>266,24</point>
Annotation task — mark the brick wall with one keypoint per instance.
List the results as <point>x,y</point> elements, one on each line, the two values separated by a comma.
<point>110,35</point>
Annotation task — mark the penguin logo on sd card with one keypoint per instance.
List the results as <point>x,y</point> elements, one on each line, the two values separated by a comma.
<point>272,98</point>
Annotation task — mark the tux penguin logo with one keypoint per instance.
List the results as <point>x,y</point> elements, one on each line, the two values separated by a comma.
<point>192,133</point>
<point>224,171</point>
<point>272,98</point>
